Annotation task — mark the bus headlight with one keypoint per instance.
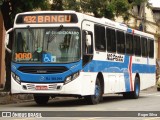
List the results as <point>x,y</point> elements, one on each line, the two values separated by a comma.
<point>71,77</point>
<point>16,78</point>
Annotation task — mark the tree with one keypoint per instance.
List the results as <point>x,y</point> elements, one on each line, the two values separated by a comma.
<point>9,9</point>
<point>57,5</point>
<point>105,8</point>
<point>110,8</point>
<point>71,5</point>
<point>65,5</point>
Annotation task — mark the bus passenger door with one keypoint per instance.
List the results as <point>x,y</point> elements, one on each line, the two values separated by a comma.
<point>87,42</point>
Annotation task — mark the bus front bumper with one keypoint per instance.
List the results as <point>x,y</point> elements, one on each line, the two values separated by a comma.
<point>78,86</point>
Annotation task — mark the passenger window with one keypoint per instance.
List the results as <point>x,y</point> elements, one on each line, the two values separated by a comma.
<point>100,42</point>
<point>129,43</point>
<point>137,45</point>
<point>144,47</point>
<point>150,48</point>
<point>111,40</point>
<point>120,42</point>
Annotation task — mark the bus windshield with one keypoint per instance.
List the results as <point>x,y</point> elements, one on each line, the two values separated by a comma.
<point>47,45</point>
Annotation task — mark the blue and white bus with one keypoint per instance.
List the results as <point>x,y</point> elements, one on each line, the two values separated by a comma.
<point>66,53</point>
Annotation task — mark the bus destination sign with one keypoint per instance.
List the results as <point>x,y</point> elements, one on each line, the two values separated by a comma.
<point>46,18</point>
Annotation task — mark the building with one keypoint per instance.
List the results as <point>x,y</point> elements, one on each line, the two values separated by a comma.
<point>156,15</point>
<point>145,19</point>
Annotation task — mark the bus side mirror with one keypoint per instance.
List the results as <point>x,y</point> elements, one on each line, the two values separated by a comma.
<point>88,40</point>
<point>7,39</point>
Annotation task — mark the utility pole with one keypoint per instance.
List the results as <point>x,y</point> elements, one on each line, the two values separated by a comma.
<point>143,17</point>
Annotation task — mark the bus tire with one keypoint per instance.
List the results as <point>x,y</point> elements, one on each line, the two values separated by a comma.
<point>135,93</point>
<point>97,97</point>
<point>41,99</point>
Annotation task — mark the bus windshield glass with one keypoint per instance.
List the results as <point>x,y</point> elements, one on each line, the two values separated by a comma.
<point>46,45</point>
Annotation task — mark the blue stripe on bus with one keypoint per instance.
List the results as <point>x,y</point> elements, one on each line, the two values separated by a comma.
<point>93,66</point>
<point>117,67</point>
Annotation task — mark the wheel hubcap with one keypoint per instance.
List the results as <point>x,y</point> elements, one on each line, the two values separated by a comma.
<point>137,89</point>
<point>97,91</point>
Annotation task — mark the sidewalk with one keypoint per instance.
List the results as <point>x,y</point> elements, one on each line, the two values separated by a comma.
<point>6,98</point>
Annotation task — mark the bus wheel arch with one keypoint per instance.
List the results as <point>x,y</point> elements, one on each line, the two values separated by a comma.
<point>98,92</point>
<point>135,93</point>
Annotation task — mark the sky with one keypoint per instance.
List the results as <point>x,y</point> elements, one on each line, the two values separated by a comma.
<point>155,3</point>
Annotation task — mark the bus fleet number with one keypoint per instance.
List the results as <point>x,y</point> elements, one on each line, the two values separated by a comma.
<point>30,19</point>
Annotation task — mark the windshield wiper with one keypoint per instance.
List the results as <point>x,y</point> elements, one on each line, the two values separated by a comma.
<point>31,31</point>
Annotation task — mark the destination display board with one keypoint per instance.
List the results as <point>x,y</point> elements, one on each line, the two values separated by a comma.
<point>46,18</point>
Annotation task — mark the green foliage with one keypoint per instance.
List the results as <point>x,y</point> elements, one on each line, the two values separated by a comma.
<point>65,5</point>
<point>138,2</point>
<point>71,5</point>
<point>106,8</point>
<point>109,11</point>
<point>97,7</point>
<point>29,5</point>
<point>121,7</point>
<point>57,5</point>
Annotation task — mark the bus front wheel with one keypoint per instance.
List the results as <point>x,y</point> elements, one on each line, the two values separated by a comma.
<point>97,97</point>
<point>41,99</point>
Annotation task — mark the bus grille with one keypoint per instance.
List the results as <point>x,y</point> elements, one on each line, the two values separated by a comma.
<point>42,69</point>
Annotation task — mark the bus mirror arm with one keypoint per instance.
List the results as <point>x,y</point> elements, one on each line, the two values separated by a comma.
<point>9,50</point>
<point>7,39</point>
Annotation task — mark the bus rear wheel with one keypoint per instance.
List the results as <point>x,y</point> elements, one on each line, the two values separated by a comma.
<point>97,97</point>
<point>41,99</point>
<point>134,94</point>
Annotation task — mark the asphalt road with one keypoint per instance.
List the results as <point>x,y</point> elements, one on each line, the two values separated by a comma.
<point>113,107</point>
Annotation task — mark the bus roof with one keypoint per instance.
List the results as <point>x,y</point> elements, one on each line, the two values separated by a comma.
<point>82,17</point>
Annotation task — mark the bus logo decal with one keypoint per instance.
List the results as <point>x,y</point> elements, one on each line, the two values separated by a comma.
<point>42,78</point>
<point>115,57</point>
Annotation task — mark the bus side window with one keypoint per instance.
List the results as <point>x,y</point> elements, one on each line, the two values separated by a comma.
<point>151,48</point>
<point>129,44</point>
<point>100,42</point>
<point>120,42</point>
<point>137,45</point>
<point>144,47</point>
<point>111,40</point>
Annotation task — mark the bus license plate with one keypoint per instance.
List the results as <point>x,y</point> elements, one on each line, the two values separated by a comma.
<point>41,88</point>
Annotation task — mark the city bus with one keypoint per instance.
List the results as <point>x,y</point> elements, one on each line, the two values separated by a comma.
<point>67,53</point>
